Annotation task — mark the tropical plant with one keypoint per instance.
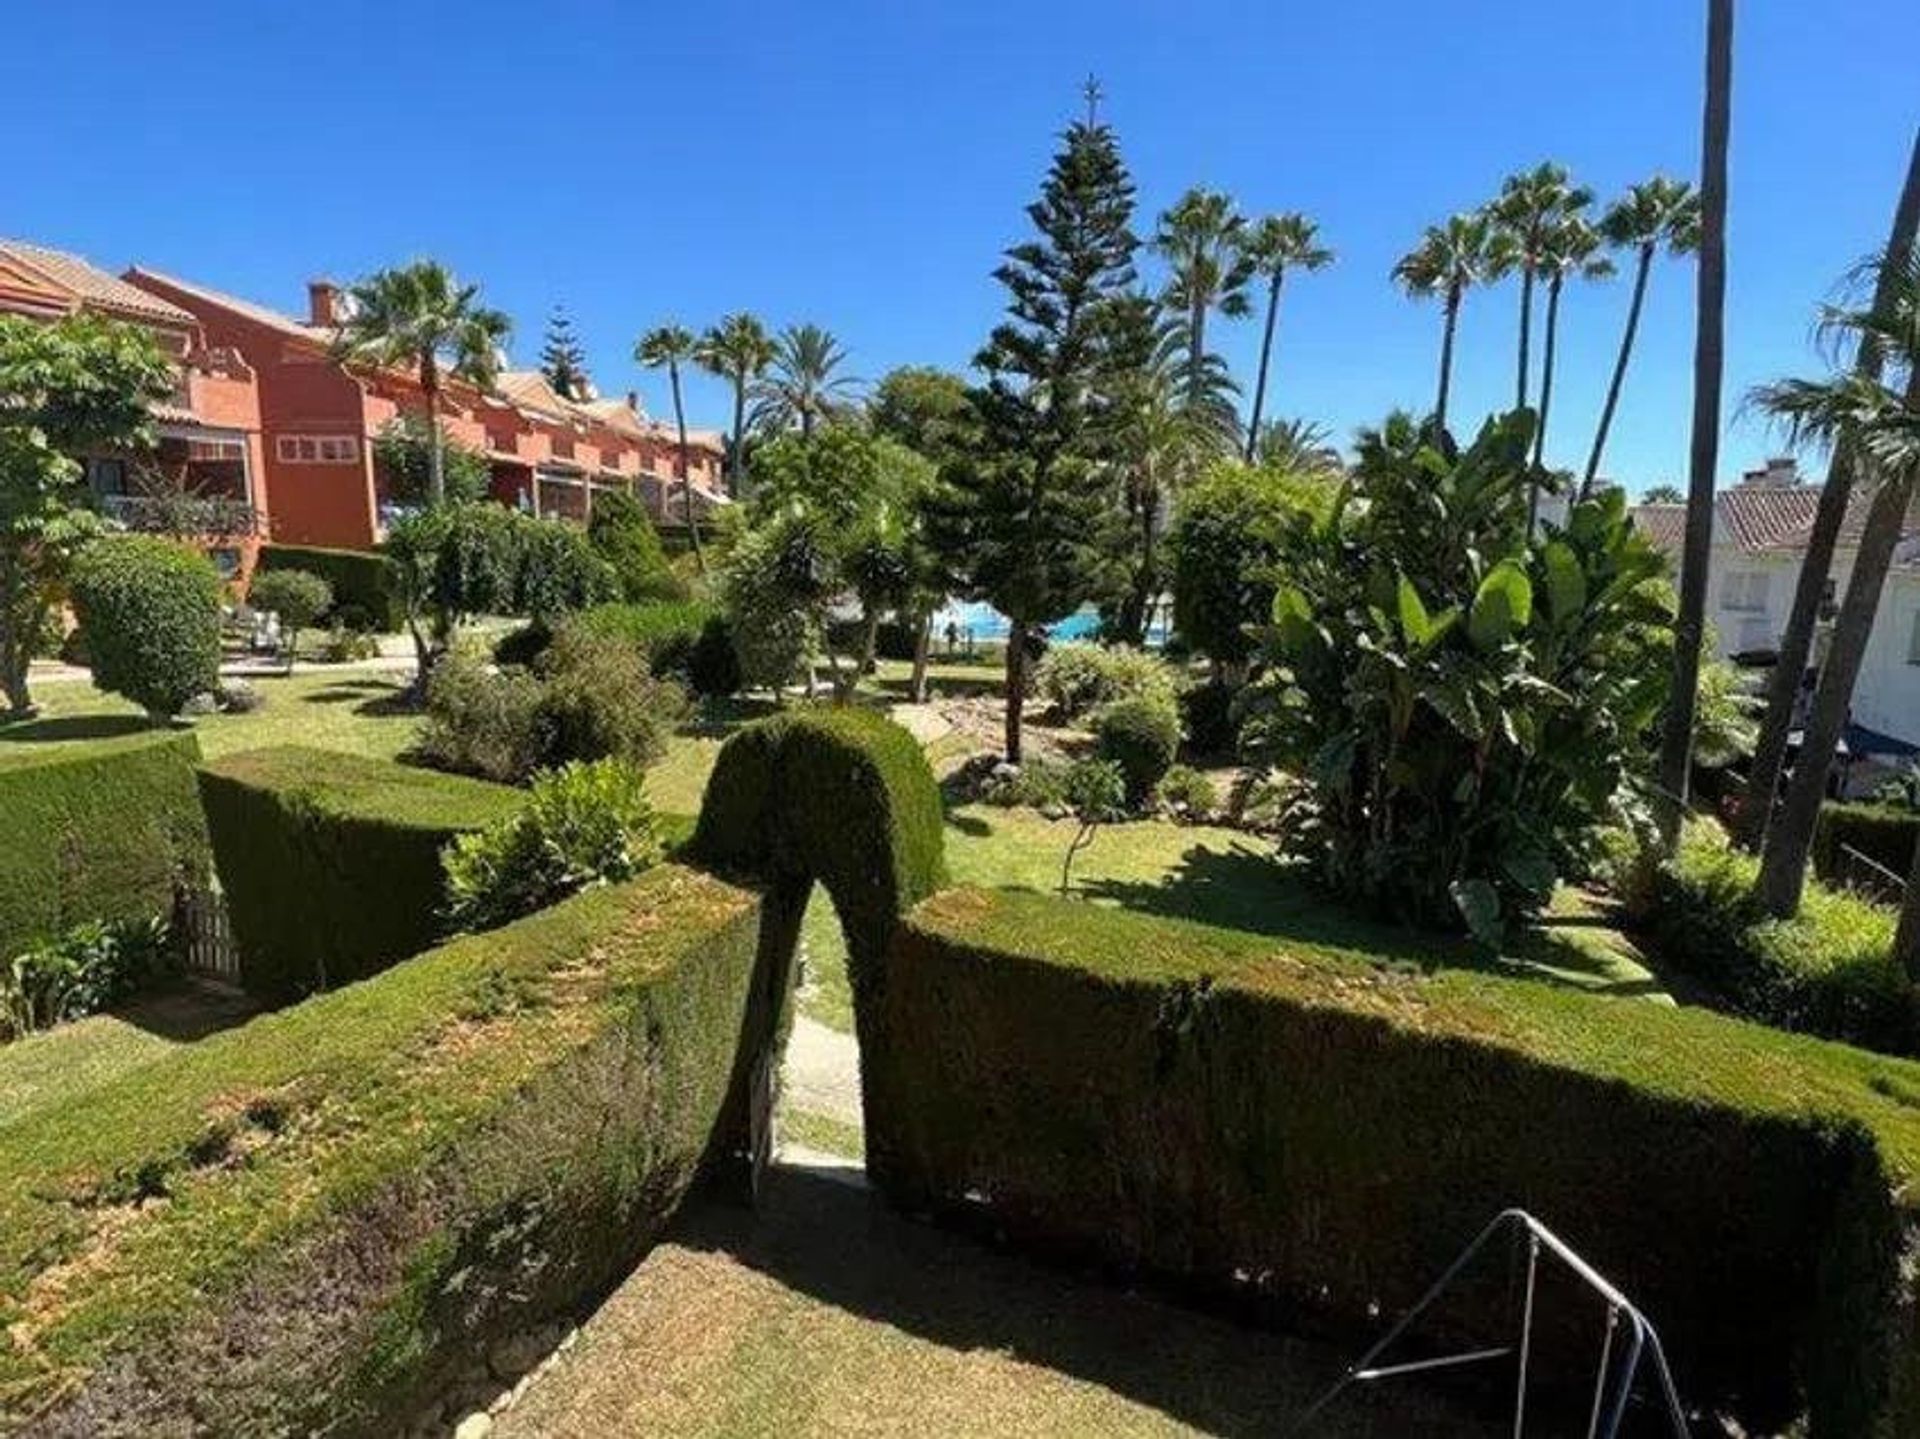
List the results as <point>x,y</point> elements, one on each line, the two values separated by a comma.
<point>1654,215</point>
<point>1810,592</point>
<point>403,454</point>
<point>1449,260</point>
<point>1025,512</point>
<point>78,385</point>
<point>1078,678</point>
<point>1529,206</point>
<point>87,969</point>
<point>1201,239</point>
<point>151,611</point>
<point>562,359</point>
<point>1569,249</point>
<point>772,588</point>
<point>1276,244</point>
<point>1664,493</point>
<point>802,386</point>
<point>669,347</point>
<point>923,408</point>
<point>622,534</point>
<point>1464,700</point>
<point>298,597</point>
<point>1709,365</point>
<point>1095,791</point>
<point>419,317</point>
<point>737,350</point>
<point>1298,447</point>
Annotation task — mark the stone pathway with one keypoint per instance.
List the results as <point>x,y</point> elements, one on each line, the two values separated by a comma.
<point>822,1071</point>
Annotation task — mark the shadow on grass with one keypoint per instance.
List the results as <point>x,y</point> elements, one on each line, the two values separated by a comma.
<point>836,1243</point>
<point>718,718</point>
<point>345,691</point>
<point>188,1010</point>
<point>74,727</point>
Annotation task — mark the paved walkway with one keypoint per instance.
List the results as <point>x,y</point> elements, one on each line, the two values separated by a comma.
<point>822,1073</point>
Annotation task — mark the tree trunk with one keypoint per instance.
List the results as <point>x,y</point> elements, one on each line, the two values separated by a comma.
<point>1016,686</point>
<point>1266,353</point>
<point>686,471</point>
<point>1619,377</point>
<point>1447,329</point>
<point>1676,747</point>
<point>1796,644</point>
<point>1546,400</point>
<point>738,449</point>
<point>869,643</point>
<point>436,450</point>
<point>1526,334</point>
<point>1196,351</point>
<point>1138,606</point>
<point>806,422</point>
<point>922,643</point>
<point>18,634</point>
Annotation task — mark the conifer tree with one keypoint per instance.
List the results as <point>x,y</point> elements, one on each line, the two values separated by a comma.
<point>1028,512</point>
<point>562,359</point>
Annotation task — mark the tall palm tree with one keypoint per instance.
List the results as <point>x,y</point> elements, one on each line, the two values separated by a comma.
<point>1200,239</point>
<point>669,347</point>
<point>738,350</point>
<point>1877,421</point>
<point>1529,205</point>
<point>1570,248</point>
<point>420,317</point>
<point>1809,595</point>
<point>1653,213</point>
<point>1449,260</point>
<point>1298,446</point>
<point>1275,245</point>
<point>1709,365</point>
<point>801,385</point>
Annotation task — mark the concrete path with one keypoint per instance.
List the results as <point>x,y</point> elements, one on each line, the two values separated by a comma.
<point>822,1071</point>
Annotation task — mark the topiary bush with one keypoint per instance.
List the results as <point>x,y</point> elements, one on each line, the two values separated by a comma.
<point>1077,679</point>
<point>582,824</point>
<point>298,597</point>
<point>151,610</point>
<point>365,588</point>
<point>331,863</point>
<point>1142,736</point>
<point>1209,716</point>
<point>713,664</point>
<point>622,535</point>
<point>1316,1137</point>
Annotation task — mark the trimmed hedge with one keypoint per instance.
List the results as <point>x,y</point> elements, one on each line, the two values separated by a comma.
<point>97,830</point>
<point>366,589</point>
<point>1324,1136</point>
<point>319,1222</point>
<point>331,862</point>
<point>1829,970</point>
<point>151,611</point>
<point>1884,833</point>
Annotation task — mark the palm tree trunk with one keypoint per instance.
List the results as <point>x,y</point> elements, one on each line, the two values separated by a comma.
<point>737,450</point>
<point>1619,378</point>
<point>1447,328</point>
<point>922,644</point>
<point>1783,859</point>
<point>1526,335</point>
<point>1016,686</point>
<point>1709,363</point>
<point>1266,352</point>
<point>686,470</point>
<point>1796,644</point>
<point>1546,400</point>
<point>436,452</point>
<point>1196,352</point>
<point>806,422</point>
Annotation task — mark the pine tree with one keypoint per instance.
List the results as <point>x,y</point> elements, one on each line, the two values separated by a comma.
<point>1029,511</point>
<point>562,359</point>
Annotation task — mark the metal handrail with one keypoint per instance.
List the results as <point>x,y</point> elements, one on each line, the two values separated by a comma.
<point>1608,1408</point>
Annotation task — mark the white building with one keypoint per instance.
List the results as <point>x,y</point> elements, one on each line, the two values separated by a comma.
<point>1760,530</point>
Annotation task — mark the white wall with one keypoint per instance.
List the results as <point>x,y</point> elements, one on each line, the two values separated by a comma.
<point>1749,597</point>
<point>1887,696</point>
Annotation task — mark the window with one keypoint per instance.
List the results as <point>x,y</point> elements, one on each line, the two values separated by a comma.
<point>1745,590</point>
<point>317,449</point>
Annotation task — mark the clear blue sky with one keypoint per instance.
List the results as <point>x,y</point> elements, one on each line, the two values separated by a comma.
<point>861,164</point>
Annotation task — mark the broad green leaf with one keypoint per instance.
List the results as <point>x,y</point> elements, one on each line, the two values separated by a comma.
<point>1479,906</point>
<point>1502,606</point>
<point>1293,621</point>
<point>1415,623</point>
<point>1566,582</point>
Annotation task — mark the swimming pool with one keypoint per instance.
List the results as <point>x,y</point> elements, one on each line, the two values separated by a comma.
<point>987,625</point>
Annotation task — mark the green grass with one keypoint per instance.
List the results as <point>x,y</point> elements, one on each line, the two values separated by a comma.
<point>822,1132</point>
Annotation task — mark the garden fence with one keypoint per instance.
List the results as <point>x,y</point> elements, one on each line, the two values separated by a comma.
<point>207,935</point>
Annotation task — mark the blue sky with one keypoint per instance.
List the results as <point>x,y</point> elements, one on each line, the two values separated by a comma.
<point>861,165</point>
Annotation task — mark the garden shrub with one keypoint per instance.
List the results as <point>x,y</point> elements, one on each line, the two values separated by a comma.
<point>770,592</point>
<point>331,862</point>
<point>583,824</point>
<point>1208,716</point>
<point>366,593</point>
<point>316,1222</point>
<point>1829,970</point>
<point>1884,833</point>
<point>1142,736</point>
<point>1189,793</point>
<point>1077,678</point>
<point>298,597</point>
<point>1311,1133</point>
<point>600,700</point>
<point>713,664</point>
<point>481,721</point>
<point>1037,782</point>
<point>107,830</point>
<point>89,968</point>
<point>623,536</point>
<point>151,610</point>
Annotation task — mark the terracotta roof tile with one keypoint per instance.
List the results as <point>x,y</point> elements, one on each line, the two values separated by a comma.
<point>1761,519</point>
<point>92,286</point>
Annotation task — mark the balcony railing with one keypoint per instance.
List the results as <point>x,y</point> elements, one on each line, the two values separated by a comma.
<point>184,514</point>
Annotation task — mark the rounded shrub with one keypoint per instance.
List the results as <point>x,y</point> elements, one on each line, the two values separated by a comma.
<point>299,597</point>
<point>623,536</point>
<point>1208,717</point>
<point>599,700</point>
<point>1142,736</point>
<point>151,610</point>
<point>713,665</point>
<point>1077,678</point>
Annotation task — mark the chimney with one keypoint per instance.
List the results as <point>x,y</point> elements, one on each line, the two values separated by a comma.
<point>323,303</point>
<point>633,401</point>
<point>1780,472</point>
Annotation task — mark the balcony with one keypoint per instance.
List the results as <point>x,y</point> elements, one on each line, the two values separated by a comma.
<point>197,515</point>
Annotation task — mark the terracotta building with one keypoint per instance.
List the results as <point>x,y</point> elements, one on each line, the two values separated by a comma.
<point>206,479</point>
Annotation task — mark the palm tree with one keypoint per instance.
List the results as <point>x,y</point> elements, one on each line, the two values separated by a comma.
<point>1200,239</point>
<point>1525,212</point>
<point>738,350</point>
<point>1276,244</point>
<point>800,385</point>
<point>1300,447</point>
<point>1569,248</point>
<point>1448,261</point>
<point>420,317</point>
<point>1877,421</point>
<point>1809,596</point>
<point>671,346</point>
<point>1709,364</point>
<point>1654,213</point>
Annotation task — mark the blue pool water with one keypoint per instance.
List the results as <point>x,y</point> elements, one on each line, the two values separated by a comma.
<point>988,626</point>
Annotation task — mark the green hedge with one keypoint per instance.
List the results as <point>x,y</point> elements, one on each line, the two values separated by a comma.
<point>331,862</point>
<point>1324,1136</point>
<point>366,590</point>
<point>1884,833</point>
<point>318,1222</point>
<point>96,830</point>
<point>1829,970</point>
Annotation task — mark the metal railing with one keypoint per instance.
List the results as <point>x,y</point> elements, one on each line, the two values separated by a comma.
<point>1865,875</point>
<point>182,514</point>
<point>1614,1380</point>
